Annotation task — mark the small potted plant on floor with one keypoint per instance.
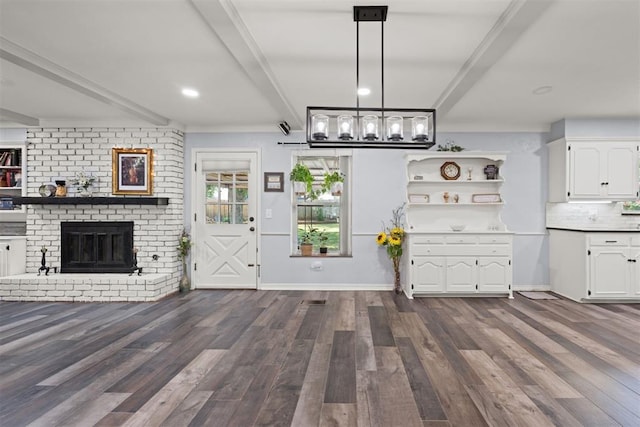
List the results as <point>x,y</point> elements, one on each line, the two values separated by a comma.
<point>333,182</point>
<point>301,178</point>
<point>306,241</point>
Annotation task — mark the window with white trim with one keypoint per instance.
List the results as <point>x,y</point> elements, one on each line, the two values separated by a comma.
<point>323,213</point>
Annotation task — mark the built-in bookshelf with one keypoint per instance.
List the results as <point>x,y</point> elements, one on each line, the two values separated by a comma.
<point>13,180</point>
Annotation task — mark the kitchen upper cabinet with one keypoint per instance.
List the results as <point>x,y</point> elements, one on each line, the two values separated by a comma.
<point>593,170</point>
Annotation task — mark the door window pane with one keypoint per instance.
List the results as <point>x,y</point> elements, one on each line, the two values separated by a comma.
<point>227,194</point>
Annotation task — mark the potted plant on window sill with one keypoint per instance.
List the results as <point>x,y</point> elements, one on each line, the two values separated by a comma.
<point>301,179</point>
<point>322,237</point>
<point>333,182</point>
<point>306,241</point>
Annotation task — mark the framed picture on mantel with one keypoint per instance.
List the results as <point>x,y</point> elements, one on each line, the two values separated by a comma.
<point>132,171</point>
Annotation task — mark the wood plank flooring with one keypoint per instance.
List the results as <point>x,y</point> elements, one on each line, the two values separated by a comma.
<point>270,358</point>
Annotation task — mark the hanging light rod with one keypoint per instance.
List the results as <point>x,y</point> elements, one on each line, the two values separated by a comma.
<point>335,127</point>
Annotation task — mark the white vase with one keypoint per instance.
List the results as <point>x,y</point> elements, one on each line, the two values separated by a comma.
<point>84,191</point>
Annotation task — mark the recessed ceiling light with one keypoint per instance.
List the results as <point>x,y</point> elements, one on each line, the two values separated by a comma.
<point>542,90</point>
<point>364,91</point>
<point>190,93</point>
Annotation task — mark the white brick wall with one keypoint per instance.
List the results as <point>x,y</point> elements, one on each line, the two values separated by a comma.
<point>61,153</point>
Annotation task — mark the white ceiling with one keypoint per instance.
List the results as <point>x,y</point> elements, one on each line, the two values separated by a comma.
<point>257,62</point>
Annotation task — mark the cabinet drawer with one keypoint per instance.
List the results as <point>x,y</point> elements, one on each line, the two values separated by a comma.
<point>493,250</point>
<point>494,240</point>
<point>610,240</point>
<point>461,240</point>
<point>427,240</point>
<point>427,249</point>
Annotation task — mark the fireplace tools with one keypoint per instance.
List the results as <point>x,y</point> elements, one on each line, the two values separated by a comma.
<point>44,267</point>
<point>135,267</point>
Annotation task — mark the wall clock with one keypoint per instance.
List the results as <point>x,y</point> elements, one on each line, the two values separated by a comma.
<point>450,171</point>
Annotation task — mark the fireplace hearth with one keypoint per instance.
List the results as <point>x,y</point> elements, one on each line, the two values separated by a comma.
<point>96,247</point>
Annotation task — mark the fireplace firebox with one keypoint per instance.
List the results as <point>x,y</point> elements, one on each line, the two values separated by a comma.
<point>96,247</point>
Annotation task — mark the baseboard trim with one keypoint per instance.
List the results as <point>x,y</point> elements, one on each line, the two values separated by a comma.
<point>325,287</point>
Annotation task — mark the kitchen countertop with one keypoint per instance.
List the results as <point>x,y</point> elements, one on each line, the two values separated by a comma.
<point>599,229</point>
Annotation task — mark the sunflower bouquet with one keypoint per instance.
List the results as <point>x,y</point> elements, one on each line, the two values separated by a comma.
<point>392,239</point>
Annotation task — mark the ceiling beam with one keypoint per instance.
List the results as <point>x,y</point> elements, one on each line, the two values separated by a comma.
<point>514,21</point>
<point>35,63</point>
<point>225,21</point>
<point>12,116</point>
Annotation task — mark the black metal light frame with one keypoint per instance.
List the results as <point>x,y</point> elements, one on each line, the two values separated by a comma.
<point>371,14</point>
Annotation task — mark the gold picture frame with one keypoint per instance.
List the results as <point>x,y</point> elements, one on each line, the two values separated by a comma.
<point>132,171</point>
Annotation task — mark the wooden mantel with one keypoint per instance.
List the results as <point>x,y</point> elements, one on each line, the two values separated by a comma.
<point>130,200</point>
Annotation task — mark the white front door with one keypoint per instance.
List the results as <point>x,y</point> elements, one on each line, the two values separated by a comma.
<point>225,221</point>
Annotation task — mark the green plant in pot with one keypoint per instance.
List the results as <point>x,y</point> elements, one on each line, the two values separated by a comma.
<point>333,182</point>
<point>322,238</point>
<point>306,241</point>
<point>301,179</point>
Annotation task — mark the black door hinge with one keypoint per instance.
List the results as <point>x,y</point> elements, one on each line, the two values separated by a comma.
<point>476,286</point>
<point>509,262</point>
<point>589,292</point>
<point>195,266</point>
<point>195,217</point>
<point>569,148</point>
<point>588,251</point>
<point>412,286</point>
<point>411,262</point>
<point>476,262</point>
<point>195,167</point>
<point>568,193</point>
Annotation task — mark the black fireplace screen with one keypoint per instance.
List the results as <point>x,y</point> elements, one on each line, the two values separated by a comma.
<point>96,247</point>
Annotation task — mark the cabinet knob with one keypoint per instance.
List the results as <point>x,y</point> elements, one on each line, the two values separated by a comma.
<point>8,247</point>
<point>631,260</point>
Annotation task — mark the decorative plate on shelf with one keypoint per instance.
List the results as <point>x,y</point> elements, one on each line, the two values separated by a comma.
<point>418,198</point>
<point>47,190</point>
<point>486,198</point>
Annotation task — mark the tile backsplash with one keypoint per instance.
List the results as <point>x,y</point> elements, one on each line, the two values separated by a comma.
<point>590,215</point>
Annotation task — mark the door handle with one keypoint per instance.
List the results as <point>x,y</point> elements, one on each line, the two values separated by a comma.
<point>252,229</point>
<point>631,260</point>
<point>251,219</point>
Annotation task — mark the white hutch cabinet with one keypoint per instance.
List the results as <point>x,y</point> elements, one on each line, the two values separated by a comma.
<point>581,169</point>
<point>447,191</point>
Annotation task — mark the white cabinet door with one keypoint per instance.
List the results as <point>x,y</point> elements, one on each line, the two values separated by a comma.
<point>622,169</point>
<point>586,174</point>
<point>609,272</point>
<point>634,260</point>
<point>494,274</point>
<point>428,274</point>
<point>461,274</point>
<point>603,169</point>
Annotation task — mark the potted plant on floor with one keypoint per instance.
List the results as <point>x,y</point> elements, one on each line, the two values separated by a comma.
<point>301,179</point>
<point>306,241</point>
<point>333,182</point>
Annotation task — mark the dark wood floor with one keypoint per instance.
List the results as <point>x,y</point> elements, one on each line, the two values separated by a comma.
<point>242,358</point>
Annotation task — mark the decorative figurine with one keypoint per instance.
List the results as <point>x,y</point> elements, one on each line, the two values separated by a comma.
<point>43,266</point>
<point>61,189</point>
<point>445,196</point>
<point>135,267</point>
<point>469,169</point>
<point>456,198</point>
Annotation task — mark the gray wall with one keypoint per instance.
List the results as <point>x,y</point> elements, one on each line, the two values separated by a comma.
<point>378,186</point>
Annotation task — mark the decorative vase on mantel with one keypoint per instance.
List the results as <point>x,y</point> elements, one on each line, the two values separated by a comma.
<point>184,285</point>
<point>85,191</point>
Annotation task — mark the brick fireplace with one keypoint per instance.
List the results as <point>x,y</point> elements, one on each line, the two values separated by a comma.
<point>61,153</point>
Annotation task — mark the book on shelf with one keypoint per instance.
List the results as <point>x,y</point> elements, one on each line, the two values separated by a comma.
<point>10,158</point>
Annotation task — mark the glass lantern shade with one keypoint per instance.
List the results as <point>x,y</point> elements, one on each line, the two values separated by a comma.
<point>370,128</point>
<point>420,128</point>
<point>394,128</point>
<point>320,127</point>
<point>345,127</point>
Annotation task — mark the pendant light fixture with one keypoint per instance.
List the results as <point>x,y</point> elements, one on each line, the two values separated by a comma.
<point>335,127</point>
